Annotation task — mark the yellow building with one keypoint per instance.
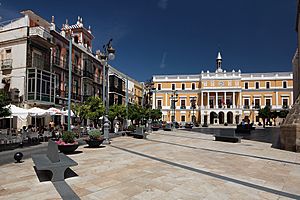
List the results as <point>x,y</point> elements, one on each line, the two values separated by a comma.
<point>221,96</point>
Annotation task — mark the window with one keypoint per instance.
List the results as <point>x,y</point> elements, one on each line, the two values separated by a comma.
<point>76,39</point>
<point>256,85</point>
<point>257,118</point>
<point>257,103</point>
<point>285,103</point>
<point>159,104</point>
<point>159,87</point>
<point>268,102</point>
<point>246,103</point>
<point>193,86</point>
<point>284,84</point>
<point>173,86</point>
<point>183,118</point>
<point>246,85</point>
<point>183,86</point>
<point>182,103</point>
<point>267,85</point>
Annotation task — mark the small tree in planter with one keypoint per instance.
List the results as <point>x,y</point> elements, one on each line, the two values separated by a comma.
<point>67,143</point>
<point>95,138</point>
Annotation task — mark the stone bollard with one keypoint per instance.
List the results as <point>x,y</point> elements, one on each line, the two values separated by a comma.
<point>106,132</point>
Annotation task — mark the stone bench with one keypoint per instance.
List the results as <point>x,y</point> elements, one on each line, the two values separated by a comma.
<point>227,137</point>
<point>140,133</point>
<point>53,161</point>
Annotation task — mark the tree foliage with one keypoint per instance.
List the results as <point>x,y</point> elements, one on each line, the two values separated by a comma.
<point>117,112</point>
<point>264,113</point>
<point>80,111</point>
<point>4,101</point>
<point>155,114</point>
<point>95,109</point>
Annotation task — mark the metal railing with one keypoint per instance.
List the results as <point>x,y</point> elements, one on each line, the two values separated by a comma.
<point>6,64</point>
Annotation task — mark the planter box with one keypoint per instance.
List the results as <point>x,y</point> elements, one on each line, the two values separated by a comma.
<point>94,143</point>
<point>69,148</point>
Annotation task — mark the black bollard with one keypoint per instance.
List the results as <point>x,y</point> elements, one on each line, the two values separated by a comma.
<point>18,157</point>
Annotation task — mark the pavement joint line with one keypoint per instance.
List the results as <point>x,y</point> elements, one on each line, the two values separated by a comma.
<point>226,152</point>
<point>214,175</point>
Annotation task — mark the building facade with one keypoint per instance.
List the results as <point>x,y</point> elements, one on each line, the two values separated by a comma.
<point>222,96</point>
<point>34,61</point>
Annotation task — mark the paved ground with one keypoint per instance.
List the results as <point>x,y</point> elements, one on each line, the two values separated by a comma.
<point>169,165</point>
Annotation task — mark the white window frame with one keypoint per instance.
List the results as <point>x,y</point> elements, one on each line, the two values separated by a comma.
<point>174,86</point>
<point>183,84</point>
<point>245,86</point>
<point>258,85</point>
<point>181,118</point>
<point>266,100</point>
<point>288,101</point>
<point>269,84</point>
<point>192,86</point>
<point>183,99</point>
<point>244,98</point>
<point>286,84</point>
<point>159,86</point>
<point>258,99</point>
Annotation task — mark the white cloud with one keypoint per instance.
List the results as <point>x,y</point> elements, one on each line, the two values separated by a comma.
<point>163,4</point>
<point>163,61</point>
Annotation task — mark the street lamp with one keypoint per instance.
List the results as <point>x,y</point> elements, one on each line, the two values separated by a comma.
<point>174,99</point>
<point>107,54</point>
<point>193,106</point>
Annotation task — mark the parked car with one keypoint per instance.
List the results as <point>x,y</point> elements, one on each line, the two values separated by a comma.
<point>188,125</point>
<point>167,127</point>
<point>155,126</point>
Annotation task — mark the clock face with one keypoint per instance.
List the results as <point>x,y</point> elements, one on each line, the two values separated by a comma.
<point>221,83</point>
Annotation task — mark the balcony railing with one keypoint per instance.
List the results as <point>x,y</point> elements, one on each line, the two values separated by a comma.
<point>246,107</point>
<point>159,107</point>
<point>6,64</point>
<point>182,107</point>
<point>41,32</point>
<point>285,106</point>
<point>256,107</point>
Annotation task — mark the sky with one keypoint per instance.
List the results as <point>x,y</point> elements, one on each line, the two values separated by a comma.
<point>153,37</point>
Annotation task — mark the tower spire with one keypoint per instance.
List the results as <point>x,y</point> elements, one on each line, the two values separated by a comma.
<point>219,62</point>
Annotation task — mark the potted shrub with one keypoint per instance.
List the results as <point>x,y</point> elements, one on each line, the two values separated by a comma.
<point>95,138</point>
<point>131,128</point>
<point>67,143</point>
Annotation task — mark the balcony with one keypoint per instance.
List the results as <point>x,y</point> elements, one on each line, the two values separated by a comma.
<point>6,64</point>
<point>88,74</point>
<point>40,32</point>
<point>285,106</point>
<point>246,107</point>
<point>257,107</point>
<point>159,107</point>
<point>182,107</point>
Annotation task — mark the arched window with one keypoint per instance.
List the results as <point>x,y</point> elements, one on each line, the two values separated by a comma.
<point>193,86</point>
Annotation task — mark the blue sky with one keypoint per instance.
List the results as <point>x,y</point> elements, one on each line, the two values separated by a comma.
<point>181,37</point>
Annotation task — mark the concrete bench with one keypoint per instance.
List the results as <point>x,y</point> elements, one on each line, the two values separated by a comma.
<point>140,133</point>
<point>227,137</point>
<point>53,161</point>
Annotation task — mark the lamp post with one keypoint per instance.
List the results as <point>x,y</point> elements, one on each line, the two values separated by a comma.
<point>107,54</point>
<point>70,82</point>
<point>174,99</point>
<point>193,106</point>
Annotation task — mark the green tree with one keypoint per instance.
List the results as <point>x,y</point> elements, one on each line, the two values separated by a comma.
<point>95,109</point>
<point>80,111</point>
<point>134,113</point>
<point>283,113</point>
<point>4,101</point>
<point>116,112</point>
<point>264,113</point>
<point>273,115</point>
<point>155,114</point>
